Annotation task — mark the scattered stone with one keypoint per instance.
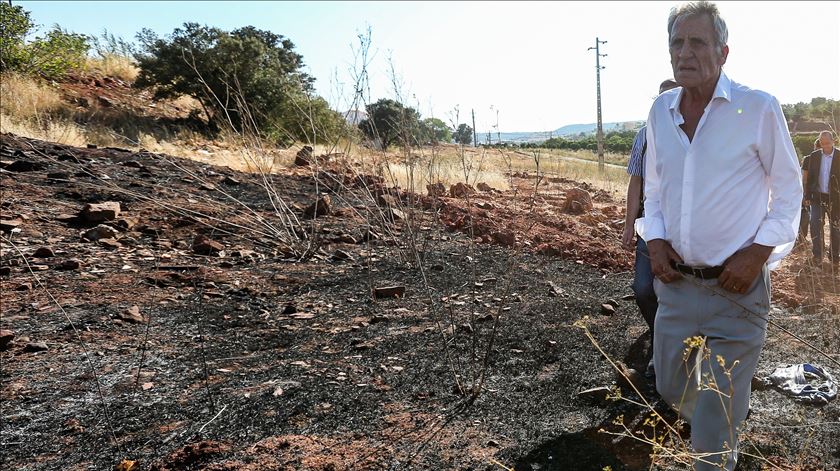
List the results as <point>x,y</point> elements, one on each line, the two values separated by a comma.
<point>485,187</point>
<point>133,164</point>
<point>91,146</point>
<point>71,264</point>
<point>126,224</point>
<point>341,255</point>
<point>396,214</point>
<point>132,315</point>
<point>226,264</point>
<point>230,181</point>
<point>436,190</point>
<point>628,297</point>
<point>290,309</point>
<point>607,309</point>
<point>759,384</point>
<point>379,318</point>
<point>461,190</point>
<point>6,337</point>
<point>44,252</point>
<point>24,287</point>
<point>33,347</point>
<point>58,176</point>
<point>25,166</point>
<point>598,395</point>
<point>102,231</point>
<point>505,238</point>
<point>304,156</point>
<point>5,271</point>
<point>109,243</point>
<point>387,201</point>
<point>436,267</point>
<point>625,376</point>
<point>8,225</point>
<point>396,291</point>
<point>100,212</point>
<point>554,290</point>
<point>578,201</point>
<point>321,207</point>
<point>346,239</point>
<point>202,245</point>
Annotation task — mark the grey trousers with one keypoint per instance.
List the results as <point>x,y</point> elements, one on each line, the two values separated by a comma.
<point>696,385</point>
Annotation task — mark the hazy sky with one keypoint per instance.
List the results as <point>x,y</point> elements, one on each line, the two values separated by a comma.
<point>527,60</point>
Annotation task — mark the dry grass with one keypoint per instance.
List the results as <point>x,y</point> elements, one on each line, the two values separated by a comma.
<point>26,99</point>
<point>113,65</point>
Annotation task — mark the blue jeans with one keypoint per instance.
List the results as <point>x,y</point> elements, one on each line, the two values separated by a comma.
<point>643,285</point>
<point>819,213</point>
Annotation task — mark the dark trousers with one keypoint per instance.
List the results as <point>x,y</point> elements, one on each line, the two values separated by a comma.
<point>820,211</point>
<point>804,222</point>
<point>643,285</point>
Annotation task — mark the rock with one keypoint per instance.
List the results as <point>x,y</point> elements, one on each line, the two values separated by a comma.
<point>202,245</point>
<point>396,214</point>
<point>71,264</point>
<point>133,164</point>
<point>578,201</point>
<point>24,287</point>
<point>25,166</point>
<point>104,101</point>
<point>626,376</point>
<point>628,297</point>
<point>44,252</point>
<point>230,181</point>
<point>376,319</point>
<point>598,395</point>
<point>346,239</point>
<point>126,224</point>
<point>554,290</point>
<point>58,176</point>
<point>102,231</point>
<point>91,146</point>
<point>33,347</point>
<point>290,309</point>
<point>759,384</point>
<point>341,255</point>
<point>132,315</point>
<point>5,271</point>
<point>485,187</point>
<point>396,291</point>
<point>304,156</point>
<point>321,207</point>
<point>100,212</point>
<point>607,309</point>
<point>6,337</point>
<point>387,201</point>
<point>109,243</point>
<point>461,190</point>
<point>8,225</point>
<point>436,190</point>
<point>505,238</point>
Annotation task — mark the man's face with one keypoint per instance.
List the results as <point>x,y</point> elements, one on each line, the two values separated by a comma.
<point>694,56</point>
<point>826,142</point>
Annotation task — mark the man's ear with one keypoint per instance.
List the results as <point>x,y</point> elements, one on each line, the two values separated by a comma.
<point>724,54</point>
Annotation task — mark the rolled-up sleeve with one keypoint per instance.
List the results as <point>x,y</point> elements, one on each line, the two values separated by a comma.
<point>778,157</point>
<point>652,225</point>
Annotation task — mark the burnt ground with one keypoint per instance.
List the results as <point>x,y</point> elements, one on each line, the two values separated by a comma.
<point>251,359</point>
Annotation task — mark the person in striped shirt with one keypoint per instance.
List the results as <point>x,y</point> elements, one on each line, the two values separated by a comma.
<point>643,277</point>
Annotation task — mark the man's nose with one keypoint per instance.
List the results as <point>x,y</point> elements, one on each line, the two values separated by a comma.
<point>684,51</point>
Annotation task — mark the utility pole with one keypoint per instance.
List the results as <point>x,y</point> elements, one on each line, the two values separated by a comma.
<point>498,132</point>
<point>475,137</point>
<point>600,132</point>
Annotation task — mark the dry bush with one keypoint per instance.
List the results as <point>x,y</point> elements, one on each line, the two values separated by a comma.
<point>113,65</point>
<point>47,129</point>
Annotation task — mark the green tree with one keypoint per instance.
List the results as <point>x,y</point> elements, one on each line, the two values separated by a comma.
<point>51,56</point>
<point>246,77</point>
<point>463,135</point>
<point>434,131</point>
<point>390,122</point>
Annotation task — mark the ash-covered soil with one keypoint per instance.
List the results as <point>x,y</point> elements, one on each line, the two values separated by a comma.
<point>189,338</point>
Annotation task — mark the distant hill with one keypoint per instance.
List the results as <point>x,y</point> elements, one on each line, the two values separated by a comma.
<point>566,131</point>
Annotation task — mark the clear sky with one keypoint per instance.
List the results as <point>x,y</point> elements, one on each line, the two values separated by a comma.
<point>527,60</point>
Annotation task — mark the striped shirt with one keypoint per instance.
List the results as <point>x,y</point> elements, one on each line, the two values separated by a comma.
<point>636,165</point>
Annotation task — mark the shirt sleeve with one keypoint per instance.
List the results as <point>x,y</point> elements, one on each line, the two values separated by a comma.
<point>652,225</point>
<point>778,157</point>
<point>635,165</point>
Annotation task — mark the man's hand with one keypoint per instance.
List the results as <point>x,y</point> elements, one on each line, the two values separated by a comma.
<point>661,256</point>
<point>742,268</point>
<point>627,237</point>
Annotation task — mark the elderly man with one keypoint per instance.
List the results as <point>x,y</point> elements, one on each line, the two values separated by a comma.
<point>723,192</point>
<point>822,191</point>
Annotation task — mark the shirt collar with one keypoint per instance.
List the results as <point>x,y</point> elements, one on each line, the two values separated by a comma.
<point>830,153</point>
<point>723,89</point>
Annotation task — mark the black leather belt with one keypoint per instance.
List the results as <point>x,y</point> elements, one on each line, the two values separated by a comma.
<point>708,273</point>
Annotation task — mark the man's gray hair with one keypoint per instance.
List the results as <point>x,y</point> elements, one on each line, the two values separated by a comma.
<point>700,8</point>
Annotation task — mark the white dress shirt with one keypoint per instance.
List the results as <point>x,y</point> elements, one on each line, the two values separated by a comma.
<point>825,170</point>
<point>736,183</point>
